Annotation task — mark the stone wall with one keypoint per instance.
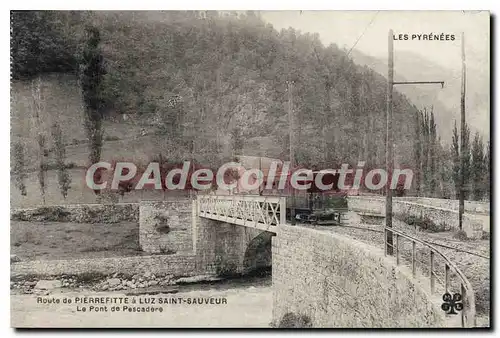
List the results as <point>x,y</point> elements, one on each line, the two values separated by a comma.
<point>166,226</point>
<point>375,205</point>
<point>469,206</point>
<point>471,224</point>
<point>79,213</point>
<point>340,282</point>
<point>224,248</point>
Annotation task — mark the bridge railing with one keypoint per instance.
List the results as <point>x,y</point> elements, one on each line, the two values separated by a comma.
<point>261,212</point>
<point>447,274</point>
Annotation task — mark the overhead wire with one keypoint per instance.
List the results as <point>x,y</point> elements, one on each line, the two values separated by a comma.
<point>362,34</point>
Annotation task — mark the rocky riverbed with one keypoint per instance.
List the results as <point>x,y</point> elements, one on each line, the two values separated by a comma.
<point>113,282</point>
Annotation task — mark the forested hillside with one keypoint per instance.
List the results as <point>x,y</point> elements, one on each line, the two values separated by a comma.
<point>212,82</point>
<point>209,86</point>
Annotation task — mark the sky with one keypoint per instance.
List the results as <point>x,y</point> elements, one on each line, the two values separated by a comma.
<point>345,27</point>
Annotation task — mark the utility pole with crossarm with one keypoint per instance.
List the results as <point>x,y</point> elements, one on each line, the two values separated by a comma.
<point>389,144</point>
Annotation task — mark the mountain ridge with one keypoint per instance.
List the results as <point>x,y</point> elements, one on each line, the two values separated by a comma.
<point>445,101</point>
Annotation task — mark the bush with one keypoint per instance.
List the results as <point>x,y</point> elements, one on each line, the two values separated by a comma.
<point>336,202</point>
<point>19,171</point>
<point>89,277</point>
<point>42,43</point>
<point>42,214</point>
<point>423,222</point>
<point>225,269</point>
<point>109,214</point>
<point>292,320</point>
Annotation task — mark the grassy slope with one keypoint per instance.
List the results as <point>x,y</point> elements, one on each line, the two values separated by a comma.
<point>124,140</point>
<point>57,240</point>
<point>62,104</point>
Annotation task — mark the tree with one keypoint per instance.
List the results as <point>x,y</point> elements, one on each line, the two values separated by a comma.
<point>42,166</point>
<point>425,151</point>
<point>38,44</point>
<point>63,177</point>
<point>417,151</point>
<point>426,148</point>
<point>445,165</point>
<point>487,167</point>
<point>466,160</point>
<point>467,163</point>
<point>432,155</point>
<point>37,109</point>
<point>19,170</point>
<point>169,116</point>
<point>91,71</point>
<point>478,168</point>
<point>455,155</point>
<point>236,142</point>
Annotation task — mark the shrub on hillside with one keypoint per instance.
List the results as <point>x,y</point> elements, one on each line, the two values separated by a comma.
<point>460,235</point>
<point>42,42</point>
<point>42,214</point>
<point>423,222</point>
<point>83,214</point>
<point>19,170</point>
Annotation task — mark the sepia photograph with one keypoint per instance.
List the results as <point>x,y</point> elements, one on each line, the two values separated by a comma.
<point>250,169</point>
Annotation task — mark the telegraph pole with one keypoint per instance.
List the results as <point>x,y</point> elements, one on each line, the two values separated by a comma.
<point>389,155</point>
<point>291,131</point>
<point>462,140</point>
<point>389,143</point>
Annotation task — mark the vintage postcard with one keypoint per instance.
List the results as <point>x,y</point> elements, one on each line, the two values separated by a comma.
<point>250,169</point>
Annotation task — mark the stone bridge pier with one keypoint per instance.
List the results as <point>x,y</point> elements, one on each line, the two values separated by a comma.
<point>228,249</point>
<point>216,247</point>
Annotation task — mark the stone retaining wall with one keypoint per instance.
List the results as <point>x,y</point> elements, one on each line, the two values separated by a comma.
<point>177,265</point>
<point>469,206</point>
<point>375,205</point>
<point>166,226</point>
<point>471,225</point>
<point>224,247</point>
<point>339,282</point>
